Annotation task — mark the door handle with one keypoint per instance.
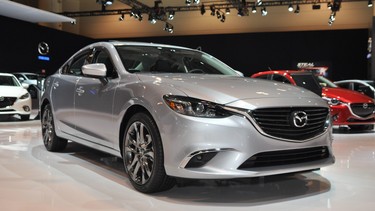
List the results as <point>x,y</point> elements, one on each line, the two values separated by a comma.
<point>80,91</point>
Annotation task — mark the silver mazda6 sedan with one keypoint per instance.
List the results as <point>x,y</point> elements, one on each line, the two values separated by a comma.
<point>173,112</point>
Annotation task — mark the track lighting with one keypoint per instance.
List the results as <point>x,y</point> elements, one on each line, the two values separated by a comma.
<point>297,9</point>
<point>259,2</point>
<point>227,11</point>
<point>203,10</point>
<point>171,15</point>
<point>122,17</point>
<point>212,8</point>
<point>168,27</point>
<point>196,1</point>
<point>264,11</point>
<point>329,5</point>
<point>369,4</point>
<point>290,8</point>
<point>254,9</point>
<point>240,12</point>
<point>218,15</point>
<point>188,2</point>
<point>105,2</point>
<point>222,19</point>
<point>152,18</point>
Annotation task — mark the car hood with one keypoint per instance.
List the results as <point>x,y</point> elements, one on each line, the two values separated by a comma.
<point>346,95</point>
<point>12,91</point>
<point>227,89</point>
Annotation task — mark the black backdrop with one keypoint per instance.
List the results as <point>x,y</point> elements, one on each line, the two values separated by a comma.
<point>344,51</point>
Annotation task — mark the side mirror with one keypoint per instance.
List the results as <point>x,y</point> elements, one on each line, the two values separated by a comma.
<point>97,70</point>
<point>239,73</point>
<point>24,85</point>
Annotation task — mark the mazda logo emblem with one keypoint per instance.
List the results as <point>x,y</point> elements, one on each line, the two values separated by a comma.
<point>365,105</point>
<point>2,98</point>
<point>299,119</point>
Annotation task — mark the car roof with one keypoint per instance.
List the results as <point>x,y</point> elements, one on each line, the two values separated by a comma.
<point>134,43</point>
<point>354,80</point>
<point>6,74</point>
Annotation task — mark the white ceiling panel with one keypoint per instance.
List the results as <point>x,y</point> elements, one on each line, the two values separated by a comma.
<point>30,14</point>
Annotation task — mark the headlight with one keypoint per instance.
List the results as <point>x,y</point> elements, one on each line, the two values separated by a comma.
<point>332,101</point>
<point>25,96</point>
<point>195,107</point>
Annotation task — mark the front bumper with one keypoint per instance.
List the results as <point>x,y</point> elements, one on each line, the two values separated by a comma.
<point>226,144</point>
<point>343,115</point>
<point>20,106</point>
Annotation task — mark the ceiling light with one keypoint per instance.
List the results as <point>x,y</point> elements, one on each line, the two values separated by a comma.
<point>122,17</point>
<point>329,5</point>
<point>188,2</point>
<point>203,10</point>
<point>369,4</point>
<point>168,27</point>
<point>240,12</point>
<point>218,15</point>
<point>152,18</point>
<point>196,1</point>
<point>254,9</point>
<point>297,9</point>
<point>212,8</point>
<point>259,2</point>
<point>290,8</point>
<point>171,14</point>
<point>227,11</point>
<point>264,11</point>
<point>222,18</point>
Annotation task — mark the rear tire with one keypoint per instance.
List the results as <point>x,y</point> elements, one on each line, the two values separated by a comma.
<point>143,155</point>
<point>51,141</point>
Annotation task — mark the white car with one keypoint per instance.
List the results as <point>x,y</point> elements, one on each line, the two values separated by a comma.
<point>366,87</point>
<point>14,97</point>
<point>31,79</point>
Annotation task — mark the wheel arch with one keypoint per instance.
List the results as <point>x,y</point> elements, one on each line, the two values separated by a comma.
<point>129,113</point>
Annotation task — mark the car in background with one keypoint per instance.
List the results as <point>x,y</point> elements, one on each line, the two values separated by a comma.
<point>366,87</point>
<point>350,108</point>
<point>31,79</point>
<point>14,98</point>
<point>172,112</point>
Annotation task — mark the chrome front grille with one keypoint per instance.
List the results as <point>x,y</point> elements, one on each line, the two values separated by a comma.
<point>7,101</point>
<point>279,122</point>
<point>362,109</point>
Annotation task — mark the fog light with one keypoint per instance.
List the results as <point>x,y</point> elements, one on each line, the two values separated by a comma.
<point>26,108</point>
<point>200,159</point>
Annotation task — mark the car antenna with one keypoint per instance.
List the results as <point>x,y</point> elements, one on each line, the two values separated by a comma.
<point>199,48</point>
<point>269,68</point>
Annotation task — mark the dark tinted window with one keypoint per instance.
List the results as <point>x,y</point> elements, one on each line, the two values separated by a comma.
<point>308,81</point>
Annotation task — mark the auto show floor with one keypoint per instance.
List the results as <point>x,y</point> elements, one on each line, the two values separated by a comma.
<point>80,178</point>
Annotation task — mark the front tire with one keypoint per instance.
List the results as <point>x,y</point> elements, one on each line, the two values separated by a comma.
<point>51,141</point>
<point>143,155</point>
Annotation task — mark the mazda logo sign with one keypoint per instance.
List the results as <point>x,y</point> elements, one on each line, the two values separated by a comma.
<point>299,119</point>
<point>2,98</point>
<point>365,105</point>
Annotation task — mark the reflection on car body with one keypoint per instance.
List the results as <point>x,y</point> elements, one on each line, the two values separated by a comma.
<point>171,112</point>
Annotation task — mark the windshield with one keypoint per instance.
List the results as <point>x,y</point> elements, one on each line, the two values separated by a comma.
<point>309,82</point>
<point>324,82</point>
<point>150,59</point>
<point>8,81</point>
<point>31,76</point>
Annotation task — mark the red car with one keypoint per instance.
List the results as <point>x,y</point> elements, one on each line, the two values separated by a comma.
<point>350,108</point>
